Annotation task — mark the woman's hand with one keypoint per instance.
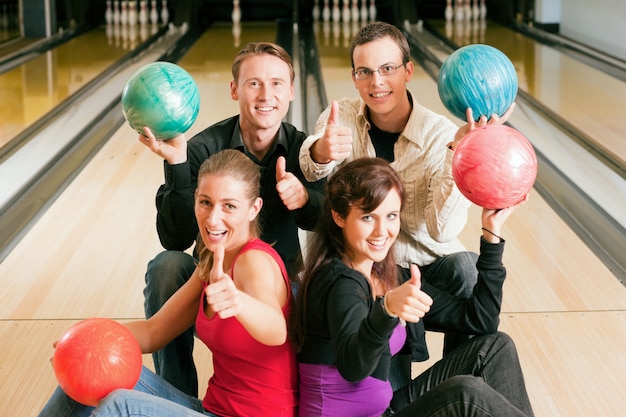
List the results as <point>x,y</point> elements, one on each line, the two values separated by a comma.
<point>408,301</point>
<point>492,220</point>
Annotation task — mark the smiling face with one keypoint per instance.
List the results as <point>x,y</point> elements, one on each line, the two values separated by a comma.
<point>383,95</point>
<point>264,89</point>
<point>368,236</point>
<point>224,212</point>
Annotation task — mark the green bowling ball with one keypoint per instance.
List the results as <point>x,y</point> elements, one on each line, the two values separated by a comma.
<point>162,96</point>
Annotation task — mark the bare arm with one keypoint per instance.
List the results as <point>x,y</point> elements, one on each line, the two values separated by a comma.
<point>254,296</point>
<point>177,315</point>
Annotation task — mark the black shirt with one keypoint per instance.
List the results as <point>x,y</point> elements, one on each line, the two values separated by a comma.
<point>176,222</point>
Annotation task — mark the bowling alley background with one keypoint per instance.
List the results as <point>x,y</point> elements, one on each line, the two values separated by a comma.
<point>77,226</point>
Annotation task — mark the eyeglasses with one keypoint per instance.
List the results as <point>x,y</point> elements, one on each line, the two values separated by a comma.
<point>384,70</point>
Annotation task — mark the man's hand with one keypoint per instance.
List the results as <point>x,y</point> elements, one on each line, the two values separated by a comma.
<point>336,144</point>
<point>174,150</point>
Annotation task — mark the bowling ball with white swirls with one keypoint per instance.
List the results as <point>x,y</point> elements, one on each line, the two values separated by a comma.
<point>162,96</point>
<point>480,77</point>
<point>494,166</point>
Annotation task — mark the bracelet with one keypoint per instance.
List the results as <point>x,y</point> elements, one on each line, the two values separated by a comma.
<point>491,233</point>
<point>386,307</point>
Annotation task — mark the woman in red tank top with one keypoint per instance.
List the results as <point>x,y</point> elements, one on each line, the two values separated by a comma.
<point>238,298</point>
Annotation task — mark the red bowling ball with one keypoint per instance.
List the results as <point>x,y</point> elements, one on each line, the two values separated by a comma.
<point>95,357</point>
<point>494,166</point>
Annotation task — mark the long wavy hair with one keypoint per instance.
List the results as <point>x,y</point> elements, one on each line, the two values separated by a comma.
<point>234,164</point>
<point>362,183</point>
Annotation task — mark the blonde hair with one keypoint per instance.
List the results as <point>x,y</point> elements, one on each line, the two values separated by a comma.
<point>234,164</point>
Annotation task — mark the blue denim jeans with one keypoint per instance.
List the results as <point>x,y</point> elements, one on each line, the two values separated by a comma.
<point>166,273</point>
<point>483,377</point>
<point>456,274</point>
<point>152,396</point>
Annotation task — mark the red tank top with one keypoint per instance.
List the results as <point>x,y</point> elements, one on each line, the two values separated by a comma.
<point>249,378</point>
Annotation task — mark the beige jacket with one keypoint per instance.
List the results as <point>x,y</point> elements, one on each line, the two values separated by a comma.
<point>435,211</point>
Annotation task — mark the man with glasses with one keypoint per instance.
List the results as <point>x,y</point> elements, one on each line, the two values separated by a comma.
<point>388,122</point>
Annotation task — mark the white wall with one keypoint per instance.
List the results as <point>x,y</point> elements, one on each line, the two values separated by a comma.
<point>548,11</point>
<point>600,24</point>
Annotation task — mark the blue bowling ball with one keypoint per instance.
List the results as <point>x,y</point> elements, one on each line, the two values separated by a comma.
<point>478,76</point>
<point>162,96</point>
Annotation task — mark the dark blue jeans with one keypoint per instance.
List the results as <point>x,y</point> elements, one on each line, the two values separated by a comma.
<point>456,274</point>
<point>483,377</point>
<point>166,273</point>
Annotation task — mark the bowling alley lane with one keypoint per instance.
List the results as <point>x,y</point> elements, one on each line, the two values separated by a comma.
<point>589,99</point>
<point>34,88</point>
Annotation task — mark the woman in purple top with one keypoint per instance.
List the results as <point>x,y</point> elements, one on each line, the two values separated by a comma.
<point>355,310</point>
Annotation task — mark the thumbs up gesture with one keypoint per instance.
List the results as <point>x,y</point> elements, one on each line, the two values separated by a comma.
<point>408,301</point>
<point>336,144</point>
<point>290,189</point>
<point>222,296</point>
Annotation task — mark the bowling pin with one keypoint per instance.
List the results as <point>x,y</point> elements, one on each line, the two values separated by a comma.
<point>124,13</point>
<point>116,12</point>
<point>108,14</point>
<point>143,12</point>
<point>449,11</point>
<point>154,15</point>
<point>459,14</point>
<point>475,10</point>
<point>336,34</point>
<point>236,13</point>
<point>354,10</point>
<point>326,12</point>
<point>363,11</point>
<point>165,13</point>
<point>345,11</point>
<point>316,11</point>
<point>132,13</point>
<point>336,11</point>
<point>372,10</point>
<point>468,10</point>
<point>483,10</point>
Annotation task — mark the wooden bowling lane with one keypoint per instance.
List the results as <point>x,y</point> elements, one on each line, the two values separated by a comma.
<point>563,307</point>
<point>87,254</point>
<point>34,88</point>
<point>587,98</point>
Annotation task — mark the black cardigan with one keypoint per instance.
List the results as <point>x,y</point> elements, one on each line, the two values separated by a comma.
<point>347,328</point>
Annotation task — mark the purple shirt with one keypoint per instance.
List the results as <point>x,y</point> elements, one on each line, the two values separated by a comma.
<point>325,393</point>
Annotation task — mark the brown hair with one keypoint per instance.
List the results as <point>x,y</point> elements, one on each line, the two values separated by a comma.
<point>234,164</point>
<point>363,183</point>
<point>377,30</point>
<point>261,48</point>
